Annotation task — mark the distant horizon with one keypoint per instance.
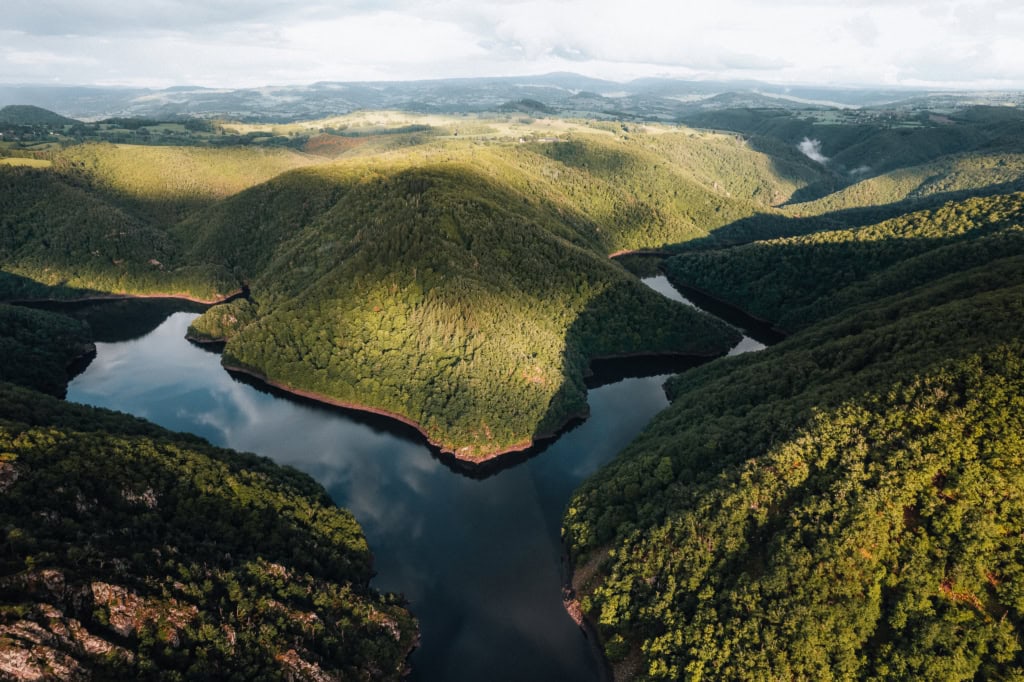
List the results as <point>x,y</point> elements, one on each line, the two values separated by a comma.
<point>746,82</point>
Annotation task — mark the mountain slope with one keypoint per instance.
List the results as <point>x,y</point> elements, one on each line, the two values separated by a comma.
<point>131,552</point>
<point>432,293</point>
<point>799,280</point>
<point>843,505</point>
<point>28,115</point>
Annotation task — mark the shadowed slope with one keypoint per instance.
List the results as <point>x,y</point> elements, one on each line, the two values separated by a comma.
<point>131,552</point>
<point>799,280</point>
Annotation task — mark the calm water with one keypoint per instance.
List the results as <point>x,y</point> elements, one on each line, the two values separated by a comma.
<point>750,331</point>
<point>478,558</point>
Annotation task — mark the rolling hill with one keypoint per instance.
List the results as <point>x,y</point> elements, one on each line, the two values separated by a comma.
<point>840,506</point>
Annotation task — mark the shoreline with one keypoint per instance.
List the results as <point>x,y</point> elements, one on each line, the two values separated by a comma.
<point>573,607</point>
<point>641,252</point>
<point>476,463</point>
<point>767,325</point>
<point>328,400</point>
<point>97,298</point>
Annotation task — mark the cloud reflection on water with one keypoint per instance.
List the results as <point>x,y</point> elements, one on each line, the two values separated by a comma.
<point>478,559</point>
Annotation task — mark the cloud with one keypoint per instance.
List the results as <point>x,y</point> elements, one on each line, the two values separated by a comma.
<point>229,43</point>
<point>863,30</point>
<point>812,150</point>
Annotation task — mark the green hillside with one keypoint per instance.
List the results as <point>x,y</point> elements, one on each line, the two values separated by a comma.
<point>457,282</point>
<point>800,280</point>
<point>869,142</point>
<point>845,505</point>
<point>38,348</point>
<point>841,506</point>
<point>465,287</point>
<point>433,293</point>
<point>164,183</point>
<point>58,240</point>
<point>131,552</point>
<point>28,115</point>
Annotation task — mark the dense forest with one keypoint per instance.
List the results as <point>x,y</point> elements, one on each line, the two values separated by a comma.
<point>796,281</point>
<point>453,275</point>
<point>131,552</point>
<point>40,348</point>
<point>433,293</point>
<point>844,505</point>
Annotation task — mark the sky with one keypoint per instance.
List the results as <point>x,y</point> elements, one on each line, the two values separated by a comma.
<point>227,43</point>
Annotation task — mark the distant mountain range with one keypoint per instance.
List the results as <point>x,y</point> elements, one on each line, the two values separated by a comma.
<point>566,93</point>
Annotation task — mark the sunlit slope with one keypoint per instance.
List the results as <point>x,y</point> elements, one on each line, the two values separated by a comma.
<point>799,280</point>
<point>163,183</point>
<point>434,293</point>
<point>618,192</point>
<point>642,193</point>
<point>945,177</point>
<point>845,505</point>
<point>64,241</point>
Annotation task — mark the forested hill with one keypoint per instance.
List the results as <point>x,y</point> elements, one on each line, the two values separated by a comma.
<point>450,271</point>
<point>477,306</point>
<point>28,115</point>
<point>844,505</point>
<point>797,281</point>
<point>131,552</point>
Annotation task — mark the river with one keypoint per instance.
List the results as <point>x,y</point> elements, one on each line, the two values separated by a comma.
<point>477,556</point>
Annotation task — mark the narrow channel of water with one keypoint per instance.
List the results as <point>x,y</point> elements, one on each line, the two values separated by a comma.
<point>478,559</point>
<point>746,345</point>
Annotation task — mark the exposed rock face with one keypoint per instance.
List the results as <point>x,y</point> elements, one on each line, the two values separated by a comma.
<point>8,475</point>
<point>298,668</point>
<point>48,645</point>
<point>129,613</point>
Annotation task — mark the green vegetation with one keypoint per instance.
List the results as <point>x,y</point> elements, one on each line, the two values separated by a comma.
<point>58,240</point>
<point>453,270</point>
<point>27,115</point>
<point>800,280</point>
<point>871,143</point>
<point>432,292</point>
<point>164,183</point>
<point>31,163</point>
<point>38,347</point>
<point>844,505</point>
<point>131,552</point>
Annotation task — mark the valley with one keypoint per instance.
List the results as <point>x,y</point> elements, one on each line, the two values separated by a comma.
<point>842,504</point>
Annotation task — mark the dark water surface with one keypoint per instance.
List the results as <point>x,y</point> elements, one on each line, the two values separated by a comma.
<point>479,559</point>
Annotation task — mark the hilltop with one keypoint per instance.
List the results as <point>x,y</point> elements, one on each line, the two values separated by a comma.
<point>28,115</point>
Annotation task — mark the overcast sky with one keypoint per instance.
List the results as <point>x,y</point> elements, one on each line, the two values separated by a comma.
<point>965,43</point>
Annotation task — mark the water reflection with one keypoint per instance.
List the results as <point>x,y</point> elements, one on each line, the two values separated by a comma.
<point>755,334</point>
<point>479,560</point>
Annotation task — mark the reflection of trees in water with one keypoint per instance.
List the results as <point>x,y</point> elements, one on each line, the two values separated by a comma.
<point>123,320</point>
